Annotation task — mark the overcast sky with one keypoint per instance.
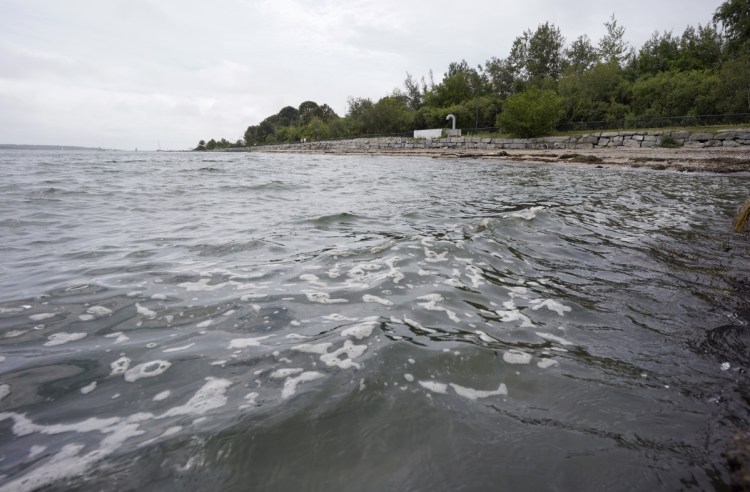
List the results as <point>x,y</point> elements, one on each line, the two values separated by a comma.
<point>136,73</point>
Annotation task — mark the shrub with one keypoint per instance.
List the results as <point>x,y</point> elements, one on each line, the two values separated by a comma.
<point>531,113</point>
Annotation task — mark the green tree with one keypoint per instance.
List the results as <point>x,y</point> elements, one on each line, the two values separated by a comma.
<point>581,55</point>
<point>537,55</point>
<point>531,113</point>
<point>732,89</point>
<point>211,145</point>
<point>599,94</point>
<point>201,145</point>
<point>658,54</point>
<point>734,16</point>
<point>612,46</point>
<point>700,49</point>
<point>674,93</point>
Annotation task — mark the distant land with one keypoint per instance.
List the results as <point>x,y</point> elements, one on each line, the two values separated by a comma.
<point>46,147</point>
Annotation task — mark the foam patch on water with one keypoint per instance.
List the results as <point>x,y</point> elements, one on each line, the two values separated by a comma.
<point>546,363</point>
<point>553,338</point>
<point>144,311</point>
<point>120,366</point>
<point>210,396</point>
<point>286,372</point>
<point>41,316</point>
<point>308,348</point>
<point>4,391</point>
<point>63,338</point>
<point>474,394</point>
<point>88,388</point>
<point>514,356</point>
<point>339,317</point>
<point>434,386</point>
<point>376,299</point>
<point>312,280</point>
<point>431,304</point>
<point>351,352</point>
<point>178,349</point>
<point>162,396</point>
<point>290,385</point>
<point>240,343</point>
<point>361,330</point>
<point>147,370</point>
<point>99,311</point>
<point>526,214</point>
<point>550,304</point>
<point>322,298</point>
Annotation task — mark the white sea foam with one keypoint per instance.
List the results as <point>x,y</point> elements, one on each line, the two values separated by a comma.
<point>312,280</point>
<point>42,316</point>
<point>210,396</point>
<point>178,349</point>
<point>545,363</point>
<point>204,324</point>
<point>416,324</point>
<point>474,394</point>
<point>4,391</point>
<point>431,305</point>
<point>339,317</point>
<point>286,372</point>
<point>240,343</point>
<point>553,338</point>
<point>162,396</point>
<point>526,214</point>
<point>350,350</point>
<point>361,330</point>
<point>146,370</point>
<point>88,388</point>
<point>308,348</point>
<point>322,298</point>
<point>63,338</point>
<point>434,386</point>
<point>514,356</point>
<point>99,311</point>
<point>409,377</point>
<point>550,304</point>
<point>290,385</point>
<point>86,317</point>
<point>376,299</point>
<point>144,311</point>
<point>120,366</point>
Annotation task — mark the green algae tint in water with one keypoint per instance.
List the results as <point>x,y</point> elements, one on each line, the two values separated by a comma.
<point>277,322</point>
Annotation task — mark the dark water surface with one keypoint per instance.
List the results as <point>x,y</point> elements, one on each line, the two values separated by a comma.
<point>282,322</point>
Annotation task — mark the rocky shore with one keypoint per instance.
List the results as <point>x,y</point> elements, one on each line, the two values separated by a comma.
<point>721,159</point>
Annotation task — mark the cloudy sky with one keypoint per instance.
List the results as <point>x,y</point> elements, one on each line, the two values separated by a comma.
<point>139,73</point>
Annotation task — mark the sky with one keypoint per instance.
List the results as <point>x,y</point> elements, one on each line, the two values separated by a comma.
<point>165,74</point>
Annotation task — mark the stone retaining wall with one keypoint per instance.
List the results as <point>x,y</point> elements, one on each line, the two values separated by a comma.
<point>729,138</point>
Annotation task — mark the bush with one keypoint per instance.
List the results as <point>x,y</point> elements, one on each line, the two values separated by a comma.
<point>531,113</point>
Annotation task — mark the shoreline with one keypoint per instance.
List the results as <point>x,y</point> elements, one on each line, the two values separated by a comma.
<point>711,159</point>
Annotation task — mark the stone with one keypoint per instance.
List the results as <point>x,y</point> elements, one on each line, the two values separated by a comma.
<point>701,137</point>
<point>637,137</point>
<point>694,144</point>
<point>713,143</point>
<point>729,143</point>
<point>584,145</point>
<point>679,134</point>
<point>609,134</point>
<point>726,136</point>
<point>603,142</point>
<point>629,142</point>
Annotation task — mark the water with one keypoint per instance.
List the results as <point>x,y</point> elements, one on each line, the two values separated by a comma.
<point>193,321</point>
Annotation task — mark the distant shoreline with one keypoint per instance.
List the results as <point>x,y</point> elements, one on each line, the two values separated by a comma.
<point>47,147</point>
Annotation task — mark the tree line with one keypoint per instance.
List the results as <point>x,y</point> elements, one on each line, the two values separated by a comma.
<point>546,83</point>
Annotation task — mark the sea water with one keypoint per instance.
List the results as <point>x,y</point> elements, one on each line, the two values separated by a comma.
<point>250,321</point>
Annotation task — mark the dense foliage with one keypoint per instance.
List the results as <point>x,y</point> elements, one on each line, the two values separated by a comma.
<point>545,84</point>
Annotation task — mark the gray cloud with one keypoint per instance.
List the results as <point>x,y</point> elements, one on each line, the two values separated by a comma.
<point>124,73</point>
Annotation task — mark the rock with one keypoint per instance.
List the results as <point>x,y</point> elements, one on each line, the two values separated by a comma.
<point>701,137</point>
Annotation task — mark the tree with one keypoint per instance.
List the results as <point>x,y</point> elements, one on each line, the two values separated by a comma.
<point>531,113</point>
<point>414,95</point>
<point>307,110</point>
<point>201,145</point>
<point>599,94</point>
<point>658,54</point>
<point>581,54</point>
<point>734,16</point>
<point>288,116</point>
<point>500,76</point>
<point>700,48</point>
<point>613,47</point>
<point>537,55</point>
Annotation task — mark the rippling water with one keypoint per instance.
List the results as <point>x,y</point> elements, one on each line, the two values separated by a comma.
<point>283,322</point>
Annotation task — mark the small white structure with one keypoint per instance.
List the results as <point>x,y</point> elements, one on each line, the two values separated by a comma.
<point>439,132</point>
